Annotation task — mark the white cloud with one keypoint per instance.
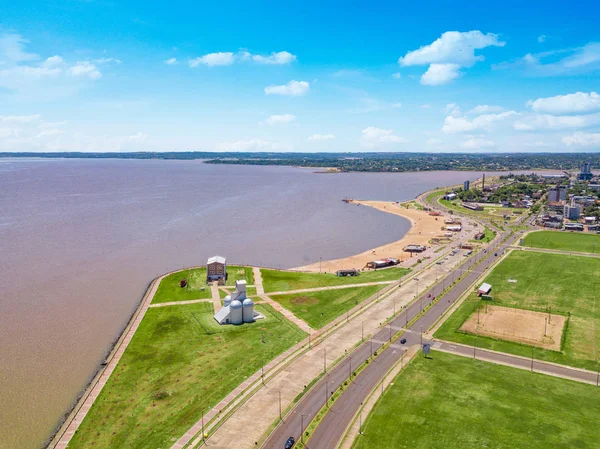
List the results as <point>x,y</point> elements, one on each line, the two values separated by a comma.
<point>19,118</point>
<point>453,124</point>
<point>213,59</point>
<point>106,61</point>
<point>280,119</point>
<point>248,145</point>
<point>447,54</point>
<point>579,102</point>
<point>12,49</point>
<point>452,47</point>
<point>578,61</point>
<point>582,139</point>
<point>376,137</point>
<point>486,109</point>
<point>138,137</point>
<point>541,38</point>
<point>275,58</point>
<point>85,69</point>
<point>545,121</point>
<point>320,137</point>
<point>397,75</point>
<point>170,61</point>
<point>229,58</point>
<point>452,109</point>
<point>293,88</point>
<point>53,62</point>
<point>438,74</point>
<point>476,143</point>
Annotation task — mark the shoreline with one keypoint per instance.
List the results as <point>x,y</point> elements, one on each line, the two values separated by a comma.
<point>423,227</point>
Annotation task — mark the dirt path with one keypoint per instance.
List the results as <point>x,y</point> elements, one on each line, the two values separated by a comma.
<point>258,282</point>
<point>286,313</point>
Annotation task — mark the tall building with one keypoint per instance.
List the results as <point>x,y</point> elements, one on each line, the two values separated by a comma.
<point>466,185</point>
<point>557,194</point>
<point>586,172</point>
<point>572,212</point>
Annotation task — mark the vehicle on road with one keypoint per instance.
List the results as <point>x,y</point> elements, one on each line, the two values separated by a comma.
<point>289,444</point>
<point>402,341</point>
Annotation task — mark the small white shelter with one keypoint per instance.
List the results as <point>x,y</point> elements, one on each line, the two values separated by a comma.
<point>485,289</point>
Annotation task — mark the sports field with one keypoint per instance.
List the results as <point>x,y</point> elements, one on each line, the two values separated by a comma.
<point>452,402</point>
<point>564,241</point>
<point>281,281</point>
<point>319,308</point>
<point>569,285</point>
<point>170,290</point>
<point>178,363</point>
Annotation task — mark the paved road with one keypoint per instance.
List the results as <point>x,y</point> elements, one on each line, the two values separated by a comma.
<point>333,426</point>
<point>518,362</point>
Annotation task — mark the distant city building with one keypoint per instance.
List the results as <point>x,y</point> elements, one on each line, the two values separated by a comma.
<point>586,172</point>
<point>216,270</point>
<point>573,227</point>
<point>466,185</point>
<point>572,212</point>
<point>557,194</point>
<point>450,196</point>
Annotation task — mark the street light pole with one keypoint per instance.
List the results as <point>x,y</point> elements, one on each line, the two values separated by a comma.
<point>302,428</point>
<point>325,361</point>
<point>280,417</point>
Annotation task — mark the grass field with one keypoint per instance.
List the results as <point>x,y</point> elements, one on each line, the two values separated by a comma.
<point>281,281</point>
<point>566,241</point>
<point>569,284</point>
<point>319,308</point>
<point>169,289</point>
<point>451,402</point>
<point>178,363</point>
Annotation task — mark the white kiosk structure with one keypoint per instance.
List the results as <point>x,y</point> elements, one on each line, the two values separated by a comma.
<point>237,308</point>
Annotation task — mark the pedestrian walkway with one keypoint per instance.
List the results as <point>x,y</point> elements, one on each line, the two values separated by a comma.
<point>178,303</point>
<point>332,287</point>
<point>516,361</point>
<point>216,296</point>
<point>286,313</point>
<point>258,283</point>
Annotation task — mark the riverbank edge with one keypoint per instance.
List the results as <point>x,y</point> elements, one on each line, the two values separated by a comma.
<point>70,415</point>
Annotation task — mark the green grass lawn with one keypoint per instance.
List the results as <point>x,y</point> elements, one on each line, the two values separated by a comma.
<point>178,363</point>
<point>566,241</point>
<point>451,402</point>
<point>320,308</point>
<point>569,284</point>
<point>281,281</point>
<point>169,289</point>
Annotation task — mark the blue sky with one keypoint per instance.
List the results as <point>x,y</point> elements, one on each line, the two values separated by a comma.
<point>308,76</point>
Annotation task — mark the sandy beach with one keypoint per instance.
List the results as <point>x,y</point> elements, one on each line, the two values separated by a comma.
<point>423,228</point>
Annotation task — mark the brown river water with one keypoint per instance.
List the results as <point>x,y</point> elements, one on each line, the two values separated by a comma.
<point>81,239</point>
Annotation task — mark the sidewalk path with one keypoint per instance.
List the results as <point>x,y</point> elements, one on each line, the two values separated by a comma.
<point>178,303</point>
<point>333,287</point>
<point>554,251</point>
<point>527,363</point>
<point>258,283</point>
<point>286,313</point>
<point>216,297</point>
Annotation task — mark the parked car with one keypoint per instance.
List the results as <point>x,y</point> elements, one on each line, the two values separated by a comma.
<point>402,341</point>
<point>289,444</point>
